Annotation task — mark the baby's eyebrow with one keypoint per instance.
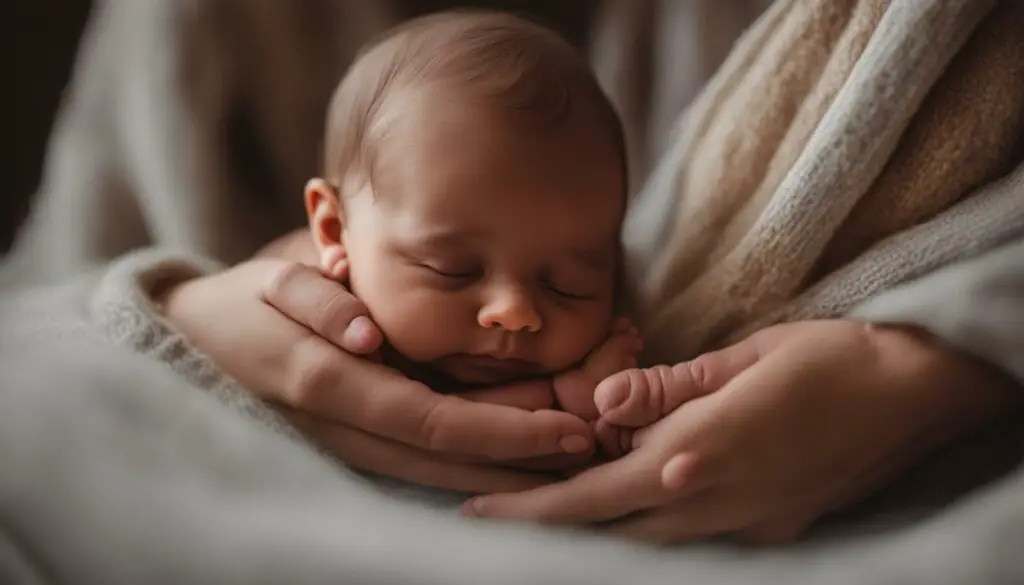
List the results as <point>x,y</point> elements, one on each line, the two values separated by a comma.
<point>446,238</point>
<point>596,258</point>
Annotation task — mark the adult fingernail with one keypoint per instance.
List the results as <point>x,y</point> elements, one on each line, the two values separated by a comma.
<point>359,333</point>
<point>574,444</point>
<point>471,507</point>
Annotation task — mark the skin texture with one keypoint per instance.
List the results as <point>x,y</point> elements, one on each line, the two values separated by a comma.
<point>773,432</point>
<point>485,249</point>
<point>292,337</point>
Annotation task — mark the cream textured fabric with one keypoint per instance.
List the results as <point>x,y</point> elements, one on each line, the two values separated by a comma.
<point>834,155</point>
<point>653,56</point>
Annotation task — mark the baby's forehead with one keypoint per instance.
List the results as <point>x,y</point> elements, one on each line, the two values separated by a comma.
<point>439,144</point>
<point>496,59</point>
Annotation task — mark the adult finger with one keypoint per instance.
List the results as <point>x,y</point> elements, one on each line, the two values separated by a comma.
<point>376,455</point>
<point>602,493</point>
<point>376,399</point>
<point>560,463</point>
<point>325,306</point>
<point>531,395</point>
<point>701,515</point>
<point>527,395</point>
<point>708,514</point>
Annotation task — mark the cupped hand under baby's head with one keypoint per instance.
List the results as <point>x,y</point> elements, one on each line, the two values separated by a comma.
<point>572,391</point>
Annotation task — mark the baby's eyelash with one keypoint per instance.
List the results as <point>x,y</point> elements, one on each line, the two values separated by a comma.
<point>463,274</point>
<point>567,295</point>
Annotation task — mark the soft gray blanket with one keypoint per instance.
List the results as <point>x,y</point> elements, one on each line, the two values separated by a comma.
<point>115,469</point>
<point>127,457</point>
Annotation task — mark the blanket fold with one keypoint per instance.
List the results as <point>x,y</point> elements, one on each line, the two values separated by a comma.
<point>833,156</point>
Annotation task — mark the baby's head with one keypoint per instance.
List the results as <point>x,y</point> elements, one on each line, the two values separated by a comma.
<point>474,186</point>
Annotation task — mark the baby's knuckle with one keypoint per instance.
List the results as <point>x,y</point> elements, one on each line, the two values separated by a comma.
<point>657,380</point>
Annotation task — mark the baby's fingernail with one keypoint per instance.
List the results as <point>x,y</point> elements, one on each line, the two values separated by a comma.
<point>471,507</point>
<point>638,439</point>
<point>574,444</point>
<point>360,332</point>
<point>625,440</point>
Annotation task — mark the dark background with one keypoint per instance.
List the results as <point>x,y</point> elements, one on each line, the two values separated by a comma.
<point>38,40</point>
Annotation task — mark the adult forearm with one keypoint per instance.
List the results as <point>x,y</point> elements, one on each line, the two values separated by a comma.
<point>976,306</point>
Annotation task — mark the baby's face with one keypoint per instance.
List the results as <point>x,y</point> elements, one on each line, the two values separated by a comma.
<point>487,251</point>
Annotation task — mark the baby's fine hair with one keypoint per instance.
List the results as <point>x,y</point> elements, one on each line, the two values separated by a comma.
<point>515,64</point>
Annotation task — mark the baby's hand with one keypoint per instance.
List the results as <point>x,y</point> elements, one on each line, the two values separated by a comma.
<point>636,398</point>
<point>574,389</point>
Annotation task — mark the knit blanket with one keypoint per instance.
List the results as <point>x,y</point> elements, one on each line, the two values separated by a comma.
<point>844,147</point>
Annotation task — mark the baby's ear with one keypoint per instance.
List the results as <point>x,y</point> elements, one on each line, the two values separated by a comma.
<point>326,223</point>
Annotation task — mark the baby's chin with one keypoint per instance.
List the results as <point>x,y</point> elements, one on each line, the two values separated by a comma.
<point>462,372</point>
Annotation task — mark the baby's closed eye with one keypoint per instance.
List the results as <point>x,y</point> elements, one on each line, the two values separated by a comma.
<point>572,292</point>
<point>451,271</point>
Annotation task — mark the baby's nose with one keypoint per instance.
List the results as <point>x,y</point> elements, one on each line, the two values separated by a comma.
<point>512,310</point>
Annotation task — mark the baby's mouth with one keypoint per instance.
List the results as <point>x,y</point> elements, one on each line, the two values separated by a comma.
<point>485,369</point>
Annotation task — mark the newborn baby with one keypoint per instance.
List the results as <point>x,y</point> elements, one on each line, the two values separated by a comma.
<point>472,197</point>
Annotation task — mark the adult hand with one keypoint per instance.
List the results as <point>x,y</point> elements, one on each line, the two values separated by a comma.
<point>791,423</point>
<point>369,416</point>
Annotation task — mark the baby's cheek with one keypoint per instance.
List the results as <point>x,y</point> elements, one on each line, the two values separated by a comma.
<point>576,335</point>
<point>418,323</point>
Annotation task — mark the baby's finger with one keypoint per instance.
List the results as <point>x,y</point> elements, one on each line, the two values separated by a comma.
<point>323,305</point>
<point>602,493</point>
<point>615,441</point>
<point>622,324</point>
<point>638,398</point>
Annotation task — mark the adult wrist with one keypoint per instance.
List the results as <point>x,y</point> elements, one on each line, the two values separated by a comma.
<point>960,392</point>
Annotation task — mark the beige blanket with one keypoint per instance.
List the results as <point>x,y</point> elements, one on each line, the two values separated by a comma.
<point>844,147</point>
